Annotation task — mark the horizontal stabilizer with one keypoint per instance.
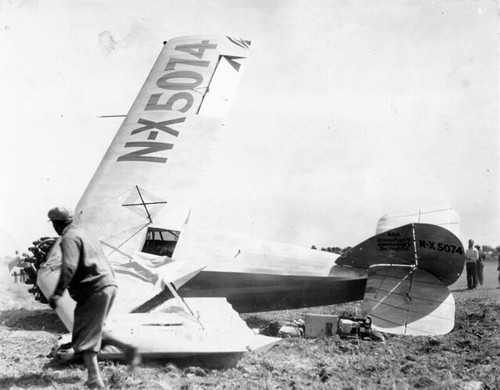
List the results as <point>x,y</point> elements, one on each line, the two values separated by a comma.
<point>445,217</point>
<point>408,301</point>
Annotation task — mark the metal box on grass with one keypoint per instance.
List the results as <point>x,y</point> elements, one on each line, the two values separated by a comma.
<point>321,325</point>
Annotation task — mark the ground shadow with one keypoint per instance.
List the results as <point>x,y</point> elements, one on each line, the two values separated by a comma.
<point>193,364</point>
<point>459,290</point>
<point>209,361</point>
<point>59,365</point>
<point>37,381</point>
<point>479,289</point>
<point>32,320</point>
<point>254,321</point>
<point>205,361</point>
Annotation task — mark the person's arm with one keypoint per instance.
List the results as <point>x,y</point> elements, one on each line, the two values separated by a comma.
<point>70,249</point>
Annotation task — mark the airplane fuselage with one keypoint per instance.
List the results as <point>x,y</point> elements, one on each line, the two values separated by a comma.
<point>251,292</point>
<point>258,275</point>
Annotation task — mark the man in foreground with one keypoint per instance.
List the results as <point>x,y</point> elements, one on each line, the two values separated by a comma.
<point>90,280</point>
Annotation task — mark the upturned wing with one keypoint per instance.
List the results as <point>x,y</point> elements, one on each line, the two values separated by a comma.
<point>153,167</point>
<point>150,176</point>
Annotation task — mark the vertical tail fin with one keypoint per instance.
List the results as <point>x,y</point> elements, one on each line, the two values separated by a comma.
<point>409,268</point>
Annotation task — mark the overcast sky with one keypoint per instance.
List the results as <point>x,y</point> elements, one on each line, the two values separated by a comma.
<point>347,110</point>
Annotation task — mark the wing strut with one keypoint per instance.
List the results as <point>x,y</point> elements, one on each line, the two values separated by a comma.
<point>143,204</point>
<point>181,300</point>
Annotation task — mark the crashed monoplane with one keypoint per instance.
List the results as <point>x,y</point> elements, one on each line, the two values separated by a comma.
<point>177,282</point>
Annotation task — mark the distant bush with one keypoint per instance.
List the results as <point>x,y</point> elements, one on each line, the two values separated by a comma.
<point>334,249</point>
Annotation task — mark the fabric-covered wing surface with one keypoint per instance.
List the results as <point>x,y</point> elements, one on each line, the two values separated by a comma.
<point>152,170</point>
<point>170,331</point>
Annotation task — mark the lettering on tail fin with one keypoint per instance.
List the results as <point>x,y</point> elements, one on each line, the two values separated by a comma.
<point>440,246</point>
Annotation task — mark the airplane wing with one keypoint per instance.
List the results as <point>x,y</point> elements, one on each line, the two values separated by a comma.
<point>148,179</point>
<point>176,327</point>
<point>179,328</point>
<point>217,335</point>
<point>140,196</point>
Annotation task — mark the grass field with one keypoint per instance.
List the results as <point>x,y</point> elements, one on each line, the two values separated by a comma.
<point>467,358</point>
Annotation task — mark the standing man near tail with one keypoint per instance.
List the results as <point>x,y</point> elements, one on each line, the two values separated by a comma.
<point>90,280</point>
<point>480,264</point>
<point>498,267</point>
<point>471,257</point>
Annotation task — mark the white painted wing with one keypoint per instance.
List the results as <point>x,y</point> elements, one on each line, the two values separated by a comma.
<point>151,174</point>
<point>159,154</point>
<point>169,331</point>
<point>409,301</point>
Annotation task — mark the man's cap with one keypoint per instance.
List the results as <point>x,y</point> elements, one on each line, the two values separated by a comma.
<point>60,214</point>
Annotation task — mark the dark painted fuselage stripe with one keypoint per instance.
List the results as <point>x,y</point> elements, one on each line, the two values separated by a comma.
<point>250,292</point>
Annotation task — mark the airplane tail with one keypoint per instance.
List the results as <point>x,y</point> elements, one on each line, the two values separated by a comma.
<point>409,268</point>
<point>446,217</point>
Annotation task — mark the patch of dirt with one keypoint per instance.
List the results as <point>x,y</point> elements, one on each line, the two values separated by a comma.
<point>44,319</point>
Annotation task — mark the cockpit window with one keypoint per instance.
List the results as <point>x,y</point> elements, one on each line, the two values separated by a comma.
<point>161,242</point>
